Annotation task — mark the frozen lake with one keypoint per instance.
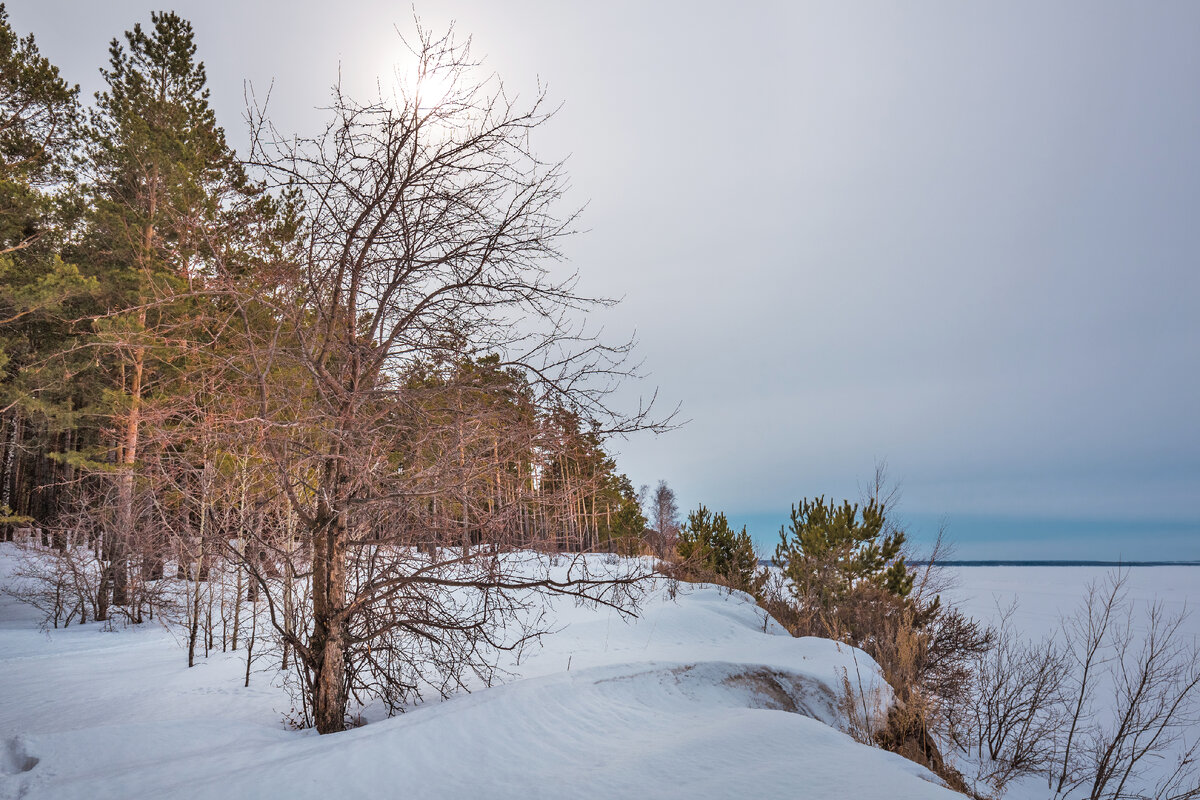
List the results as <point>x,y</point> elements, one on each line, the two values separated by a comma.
<point>1043,594</point>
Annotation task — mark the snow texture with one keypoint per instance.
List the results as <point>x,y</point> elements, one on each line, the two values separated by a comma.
<point>700,696</point>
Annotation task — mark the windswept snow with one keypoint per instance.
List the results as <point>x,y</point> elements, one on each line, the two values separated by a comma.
<point>700,696</point>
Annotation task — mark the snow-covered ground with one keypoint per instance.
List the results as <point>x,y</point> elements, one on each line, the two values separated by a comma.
<point>1044,594</point>
<point>700,696</point>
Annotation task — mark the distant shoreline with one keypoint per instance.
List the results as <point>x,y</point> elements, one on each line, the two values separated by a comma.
<point>1043,563</point>
<point>1059,563</point>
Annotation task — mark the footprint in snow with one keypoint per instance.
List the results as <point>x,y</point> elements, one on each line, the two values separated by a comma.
<point>15,758</point>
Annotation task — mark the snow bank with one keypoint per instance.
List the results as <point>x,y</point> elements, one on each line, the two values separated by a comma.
<point>700,696</point>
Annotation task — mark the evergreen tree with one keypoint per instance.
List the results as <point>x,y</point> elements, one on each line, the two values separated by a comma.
<point>164,181</point>
<point>38,136</point>
<point>707,541</point>
<point>830,550</point>
<point>466,412</point>
<point>39,292</point>
<point>624,526</point>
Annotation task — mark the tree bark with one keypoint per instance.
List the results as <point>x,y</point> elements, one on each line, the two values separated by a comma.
<point>328,650</point>
<point>10,460</point>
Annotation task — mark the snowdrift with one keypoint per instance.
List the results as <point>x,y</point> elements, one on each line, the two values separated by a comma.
<point>700,696</point>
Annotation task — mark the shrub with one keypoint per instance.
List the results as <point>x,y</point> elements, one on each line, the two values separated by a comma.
<point>61,583</point>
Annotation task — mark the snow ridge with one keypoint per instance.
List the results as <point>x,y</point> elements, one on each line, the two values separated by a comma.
<point>700,696</point>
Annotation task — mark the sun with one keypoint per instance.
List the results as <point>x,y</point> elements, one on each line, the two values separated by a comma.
<point>426,90</point>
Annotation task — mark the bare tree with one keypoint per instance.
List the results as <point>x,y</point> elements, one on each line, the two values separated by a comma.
<point>1152,676</point>
<point>428,231</point>
<point>1110,710</point>
<point>664,517</point>
<point>1087,633</point>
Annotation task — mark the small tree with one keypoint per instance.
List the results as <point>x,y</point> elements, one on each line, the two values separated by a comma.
<point>664,519</point>
<point>830,551</point>
<point>708,543</point>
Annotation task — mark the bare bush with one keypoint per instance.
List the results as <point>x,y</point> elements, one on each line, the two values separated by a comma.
<point>1011,725</point>
<point>68,571</point>
<point>1110,709</point>
<point>1134,701</point>
<point>62,583</point>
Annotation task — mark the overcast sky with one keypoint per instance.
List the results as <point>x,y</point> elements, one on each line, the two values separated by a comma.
<point>961,237</point>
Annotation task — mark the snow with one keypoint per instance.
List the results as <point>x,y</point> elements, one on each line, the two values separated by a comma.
<point>1040,597</point>
<point>1045,594</point>
<point>700,696</point>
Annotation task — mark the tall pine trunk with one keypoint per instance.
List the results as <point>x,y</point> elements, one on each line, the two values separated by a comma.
<point>119,553</point>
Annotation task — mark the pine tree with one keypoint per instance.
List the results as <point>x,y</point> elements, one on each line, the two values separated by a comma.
<point>708,541</point>
<point>624,525</point>
<point>830,550</point>
<point>164,179</point>
<point>38,135</point>
<point>39,292</point>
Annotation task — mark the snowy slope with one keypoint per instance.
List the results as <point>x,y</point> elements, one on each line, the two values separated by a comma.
<point>701,696</point>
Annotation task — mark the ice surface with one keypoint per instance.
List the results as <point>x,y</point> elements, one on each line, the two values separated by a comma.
<point>1040,597</point>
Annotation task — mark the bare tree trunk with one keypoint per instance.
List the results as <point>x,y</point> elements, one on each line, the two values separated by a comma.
<point>209,625</point>
<point>194,628</point>
<point>242,552</point>
<point>102,590</point>
<point>237,599</point>
<point>327,653</point>
<point>289,580</point>
<point>251,639</point>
